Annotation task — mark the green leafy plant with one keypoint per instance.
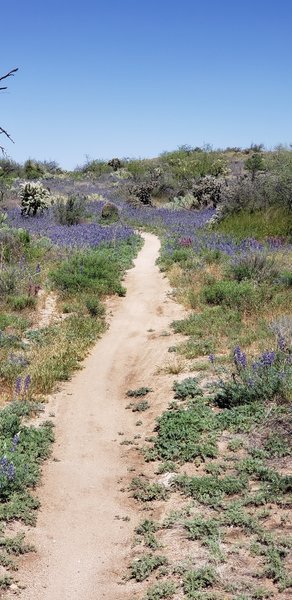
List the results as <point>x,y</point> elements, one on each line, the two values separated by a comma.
<point>186,434</point>
<point>197,580</point>
<point>144,566</point>
<point>142,391</point>
<point>165,589</point>
<point>188,388</point>
<point>145,491</point>
<point>70,210</point>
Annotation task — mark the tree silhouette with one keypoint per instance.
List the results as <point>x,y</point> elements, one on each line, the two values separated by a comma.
<point>2,130</point>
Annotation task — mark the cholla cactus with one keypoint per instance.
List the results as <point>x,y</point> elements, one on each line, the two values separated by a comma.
<point>207,190</point>
<point>34,197</point>
<point>115,163</point>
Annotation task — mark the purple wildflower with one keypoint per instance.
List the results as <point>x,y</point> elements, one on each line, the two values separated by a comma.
<point>3,463</point>
<point>27,383</point>
<point>212,358</point>
<point>8,469</point>
<point>239,358</point>
<point>267,359</point>
<point>18,385</point>
<point>281,342</point>
<point>15,441</point>
<point>11,471</point>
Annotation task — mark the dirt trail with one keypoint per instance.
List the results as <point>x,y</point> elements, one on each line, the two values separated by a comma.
<point>82,547</point>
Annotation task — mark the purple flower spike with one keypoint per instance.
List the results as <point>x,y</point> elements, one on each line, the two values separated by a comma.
<point>212,358</point>
<point>240,358</point>
<point>267,359</point>
<point>281,343</point>
<point>18,385</point>
<point>11,471</point>
<point>27,383</point>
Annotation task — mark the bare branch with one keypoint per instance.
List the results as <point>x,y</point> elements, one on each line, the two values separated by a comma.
<point>10,74</point>
<point>6,133</point>
<point>3,131</point>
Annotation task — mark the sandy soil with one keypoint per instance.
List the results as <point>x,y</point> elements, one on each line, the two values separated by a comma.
<point>83,544</point>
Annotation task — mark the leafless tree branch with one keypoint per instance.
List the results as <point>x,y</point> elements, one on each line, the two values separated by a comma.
<point>9,74</point>
<point>3,131</point>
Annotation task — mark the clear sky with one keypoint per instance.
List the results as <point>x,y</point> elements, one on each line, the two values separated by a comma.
<point>137,77</point>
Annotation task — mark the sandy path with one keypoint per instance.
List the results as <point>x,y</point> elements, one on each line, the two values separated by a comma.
<point>81,546</point>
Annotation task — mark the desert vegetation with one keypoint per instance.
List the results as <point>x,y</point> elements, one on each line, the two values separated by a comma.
<point>215,483</point>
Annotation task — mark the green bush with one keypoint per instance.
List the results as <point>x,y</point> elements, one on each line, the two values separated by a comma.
<point>145,491</point>
<point>109,213</point>
<point>262,223</point>
<point>267,378</point>
<point>211,321</point>
<point>97,270</point>
<point>94,306</point>
<point>33,169</point>
<point>210,489</point>
<point>256,266</point>
<point>188,388</point>
<point>8,280</point>
<point>144,566</point>
<point>165,589</point>
<point>142,391</point>
<point>197,580</point>
<point>21,302</point>
<point>186,434</point>
<point>22,449</point>
<point>241,295</point>
<point>70,210</point>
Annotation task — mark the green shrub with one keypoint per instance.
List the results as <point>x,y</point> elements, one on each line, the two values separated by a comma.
<point>22,449</point>
<point>241,295</point>
<point>277,446</point>
<point>8,280</point>
<point>267,378</point>
<point>95,167</point>
<point>188,388</point>
<point>70,210</point>
<point>145,491</point>
<point>144,566</point>
<point>256,266</point>
<point>142,391</point>
<point>140,406</point>
<point>210,489</point>
<point>185,434</point>
<point>260,224</point>
<point>193,347</point>
<point>97,270</point>
<point>255,163</point>
<point>33,169</point>
<point>197,580</point>
<point>21,302</point>
<point>94,306</point>
<point>199,528</point>
<point>109,213</point>
<point>165,589</point>
<point>211,321</point>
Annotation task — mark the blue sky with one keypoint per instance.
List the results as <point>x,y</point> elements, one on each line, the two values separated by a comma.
<point>135,78</point>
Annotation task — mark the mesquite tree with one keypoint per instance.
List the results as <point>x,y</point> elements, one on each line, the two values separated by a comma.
<point>2,130</point>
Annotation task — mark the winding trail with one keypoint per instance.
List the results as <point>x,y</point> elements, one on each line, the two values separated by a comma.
<point>82,547</point>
